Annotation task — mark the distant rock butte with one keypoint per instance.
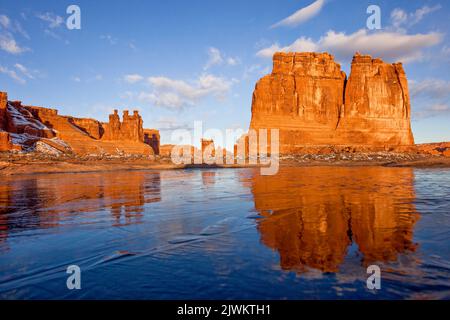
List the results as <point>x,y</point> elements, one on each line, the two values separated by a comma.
<point>22,127</point>
<point>311,101</point>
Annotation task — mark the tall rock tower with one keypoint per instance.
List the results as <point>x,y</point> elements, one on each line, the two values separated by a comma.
<point>308,98</point>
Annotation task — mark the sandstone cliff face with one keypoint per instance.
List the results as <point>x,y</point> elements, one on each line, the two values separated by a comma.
<point>208,148</point>
<point>5,141</point>
<point>377,105</point>
<point>309,99</point>
<point>130,129</point>
<point>153,139</point>
<point>20,120</point>
<point>303,97</point>
<point>5,144</point>
<point>88,136</point>
<point>92,127</point>
<point>3,105</point>
<point>26,127</point>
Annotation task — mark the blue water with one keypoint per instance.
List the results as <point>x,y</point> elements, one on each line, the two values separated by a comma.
<point>306,233</point>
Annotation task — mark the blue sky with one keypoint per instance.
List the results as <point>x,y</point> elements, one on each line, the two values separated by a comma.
<point>180,61</point>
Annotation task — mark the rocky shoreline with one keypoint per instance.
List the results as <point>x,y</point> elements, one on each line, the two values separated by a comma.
<point>38,163</point>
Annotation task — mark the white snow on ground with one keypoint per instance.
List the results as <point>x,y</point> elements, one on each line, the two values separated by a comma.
<point>42,147</point>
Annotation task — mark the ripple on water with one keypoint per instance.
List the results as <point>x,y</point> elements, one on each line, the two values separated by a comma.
<point>304,233</point>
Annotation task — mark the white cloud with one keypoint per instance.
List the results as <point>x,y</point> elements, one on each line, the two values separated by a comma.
<point>432,88</point>
<point>431,96</point>
<point>18,28</point>
<point>24,70</point>
<point>177,94</point>
<point>300,45</point>
<point>255,69</point>
<point>127,95</point>
<point>388,45</point>
<point>302,15</point>
<point>132,46</point>
<point>446,51</point>
<point>232,61</point>
<point>174,93</point>
<point>9,44</point>
<point>400,17</point>
<point>215,57</point>
<point>90,79</point>
<point>13,26</point>
<point>109,38</point>
<point>7,41</point>
<point>133,78</point>
<point>169,100</point>
<point>52,34</point>
<point>4,21</point>
<point>53,20</point>
<point>436,110</point>
<point>170,124</point>
<point>12,74</point>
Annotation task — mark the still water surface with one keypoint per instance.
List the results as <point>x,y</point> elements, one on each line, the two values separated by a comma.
<point>306,233</point>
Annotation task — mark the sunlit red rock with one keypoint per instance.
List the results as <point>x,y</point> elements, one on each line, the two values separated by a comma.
<point>5,143</point>
<point>308,98</point>
<point>152,138</point>
<point>377,109</point>
<point>92,127</point>
<point>208,147</point>
<point>24,126</point>
<point>3,105</point>
<point>165,150</point>
<point>435,149</point>
<point>130,129</point>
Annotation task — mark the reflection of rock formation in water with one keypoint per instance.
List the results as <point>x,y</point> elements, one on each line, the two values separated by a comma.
<point>43,201</point>
<point>208,177</point>
<point>314,214</point>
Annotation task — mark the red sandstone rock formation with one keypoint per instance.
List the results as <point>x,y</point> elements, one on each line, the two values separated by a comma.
<point>5,144</point>
<point>152,138</point>
<point>92,127</point>
<point>309,99</point>
<point>435,149</point>
<point>130,129</point>
<point>3,106</point>
<point>20,120</point>
<point>377,106</point>
<point>5,141</point>
<point>165,150</point>
<point>24,126</point>
<point>208,149</point>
